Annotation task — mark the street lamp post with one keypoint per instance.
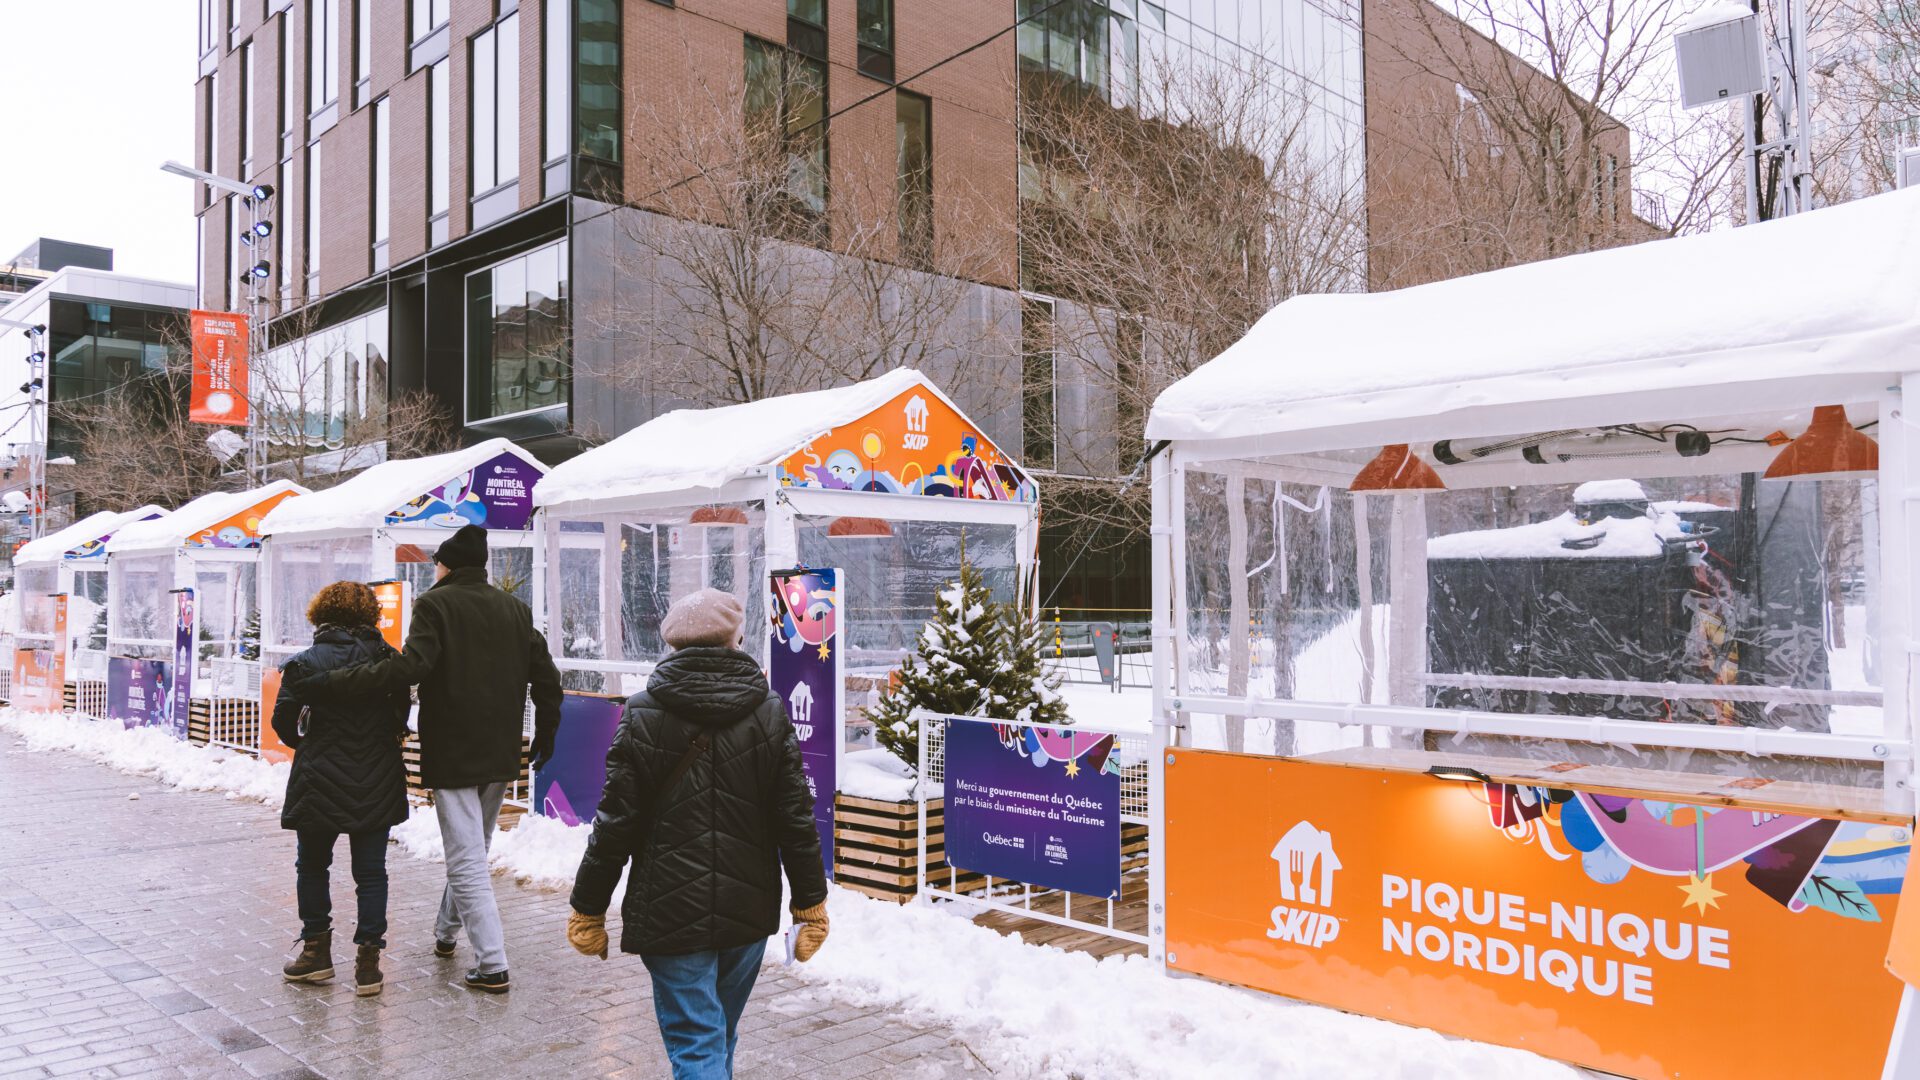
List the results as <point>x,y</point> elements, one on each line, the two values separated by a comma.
<point>255,198</point>
<point>34,388</point>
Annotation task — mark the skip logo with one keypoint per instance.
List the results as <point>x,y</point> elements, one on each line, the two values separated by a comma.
<point>800,711</point>
<point>916,424</point>
<point>1306,863</point>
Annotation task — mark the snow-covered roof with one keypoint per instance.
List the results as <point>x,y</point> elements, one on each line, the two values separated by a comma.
<point>195,517</point>
<point>366,501</point>
<point>697,450</point>
<point>50,548</point>
<point>1680,314</point>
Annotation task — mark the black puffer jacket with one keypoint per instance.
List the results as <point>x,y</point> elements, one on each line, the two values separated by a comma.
<point>707,873</point>
<point>347,774</point>
<point>473,652</point>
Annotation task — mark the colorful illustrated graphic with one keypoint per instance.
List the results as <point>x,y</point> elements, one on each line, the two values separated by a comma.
<point>242,530</point>
<point>806,669</point>
<point>1034,803</point>
<point>1798,862</point>
<point>95,549</point>
<point>180,698</point>
<point>497,494</point>
<point>140,692</point>
<point>915,444</point>
<point>569,788</point>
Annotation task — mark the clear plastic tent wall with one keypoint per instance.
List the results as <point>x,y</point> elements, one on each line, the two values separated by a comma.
<point>1595,566</point>
<point>386,522</point>
<point>885,480</point>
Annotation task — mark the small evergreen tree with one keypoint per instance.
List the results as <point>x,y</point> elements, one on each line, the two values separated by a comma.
<point>250,636</point>
<point>976,657</point>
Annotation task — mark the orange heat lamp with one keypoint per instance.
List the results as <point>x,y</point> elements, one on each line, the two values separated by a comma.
<point>859,526</point>
<point>718,515</point>
<point>1830,446</point>
<point>1397,468</point>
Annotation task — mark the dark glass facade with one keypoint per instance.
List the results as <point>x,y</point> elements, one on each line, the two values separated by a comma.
<point>98,349</point>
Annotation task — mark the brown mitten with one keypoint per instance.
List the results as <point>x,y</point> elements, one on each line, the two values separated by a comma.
<point>813,931</point>
<point>588,934</point>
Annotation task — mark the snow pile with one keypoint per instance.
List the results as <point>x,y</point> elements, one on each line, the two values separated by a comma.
<point>152,752</point>
<point>1599,491</point>
<point>700,449</point>
<point>1035,1011</point>
<point>1609,538</point>
<point>876,774</point>
<point>1408,358</point>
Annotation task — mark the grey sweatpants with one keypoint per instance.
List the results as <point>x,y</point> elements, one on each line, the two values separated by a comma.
<point>466,831</point>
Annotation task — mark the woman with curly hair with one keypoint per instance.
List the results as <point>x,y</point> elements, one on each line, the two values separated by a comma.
<point>347,778</point>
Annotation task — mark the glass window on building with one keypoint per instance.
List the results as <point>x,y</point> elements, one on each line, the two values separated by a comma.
<point>248,74</point>
<point>312,213</point>
<point>439,135</point>
<point>362,46</point>
<point>557,59</point>
<point>98,349</point>
<point>786,99</point>
<point>323,56</point>
<point>518,357</point>
<point>496,105</point>
<point>289,87</point>
<point>600,120</point>
<point>327,390</point>
<point>382,171</point>
<point>913,131</point>
<point>875,19</point>
<point>1036,383</point>
<point>807,27</point>
<point>430,15</point>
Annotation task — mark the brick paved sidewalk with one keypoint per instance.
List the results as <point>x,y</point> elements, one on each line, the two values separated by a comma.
<point>145,937</point>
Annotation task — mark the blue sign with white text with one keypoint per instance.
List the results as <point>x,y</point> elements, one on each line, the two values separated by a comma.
<point>1034,803</point>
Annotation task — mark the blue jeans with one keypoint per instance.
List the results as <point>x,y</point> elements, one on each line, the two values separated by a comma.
<point>315,856</point>
<point>698,999</point>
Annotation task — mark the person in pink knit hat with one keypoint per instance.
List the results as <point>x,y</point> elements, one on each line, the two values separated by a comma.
<point>706,798</point>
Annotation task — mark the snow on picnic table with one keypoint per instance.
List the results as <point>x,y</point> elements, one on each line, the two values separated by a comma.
<point>1025,1010</point>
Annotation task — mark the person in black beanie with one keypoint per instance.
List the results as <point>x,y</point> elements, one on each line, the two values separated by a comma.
<point>474,653</point>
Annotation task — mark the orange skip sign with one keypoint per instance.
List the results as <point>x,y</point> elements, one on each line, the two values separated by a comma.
<point>1646,939</point>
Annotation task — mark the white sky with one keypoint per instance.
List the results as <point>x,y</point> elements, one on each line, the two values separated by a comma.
<point>99,93</point>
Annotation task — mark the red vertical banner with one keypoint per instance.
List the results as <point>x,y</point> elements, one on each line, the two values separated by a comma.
<point>219,394</point>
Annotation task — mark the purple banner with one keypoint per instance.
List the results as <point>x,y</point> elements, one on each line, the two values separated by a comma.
<point>497,494</point>
<point>569,788</point>
<point>805,670</point>
<point>1034,803</point>
<point>139,692</point>
<point>183,663</point>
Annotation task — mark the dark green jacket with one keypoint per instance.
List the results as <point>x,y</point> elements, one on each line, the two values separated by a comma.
<point>473,652</point>
<point>707,855</point>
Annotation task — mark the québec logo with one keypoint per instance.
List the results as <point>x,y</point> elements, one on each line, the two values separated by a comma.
<point>1306,863</point>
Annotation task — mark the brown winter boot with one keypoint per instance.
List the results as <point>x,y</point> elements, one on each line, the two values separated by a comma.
<point>315,962</point>
<point>366,971</point>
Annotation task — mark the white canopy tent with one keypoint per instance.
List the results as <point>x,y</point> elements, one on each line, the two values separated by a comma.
<point>210,545</point>
<point>73,561</point>
<point>886,479</point>
<point>1663,363</point>
<point>385,523</point>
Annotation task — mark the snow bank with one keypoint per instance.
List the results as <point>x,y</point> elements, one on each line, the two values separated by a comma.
<point>1035,1011</point>
<point>152,752</point>
<point>1408,358</point>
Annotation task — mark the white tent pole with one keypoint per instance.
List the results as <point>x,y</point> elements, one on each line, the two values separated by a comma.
<point>1162,627</point>
<point>1237,615</point>
<point>1900,606</point>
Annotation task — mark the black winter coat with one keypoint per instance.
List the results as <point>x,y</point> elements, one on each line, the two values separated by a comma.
<point>706,870</point>
<point>347,775</point>
<point>473,652</point>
